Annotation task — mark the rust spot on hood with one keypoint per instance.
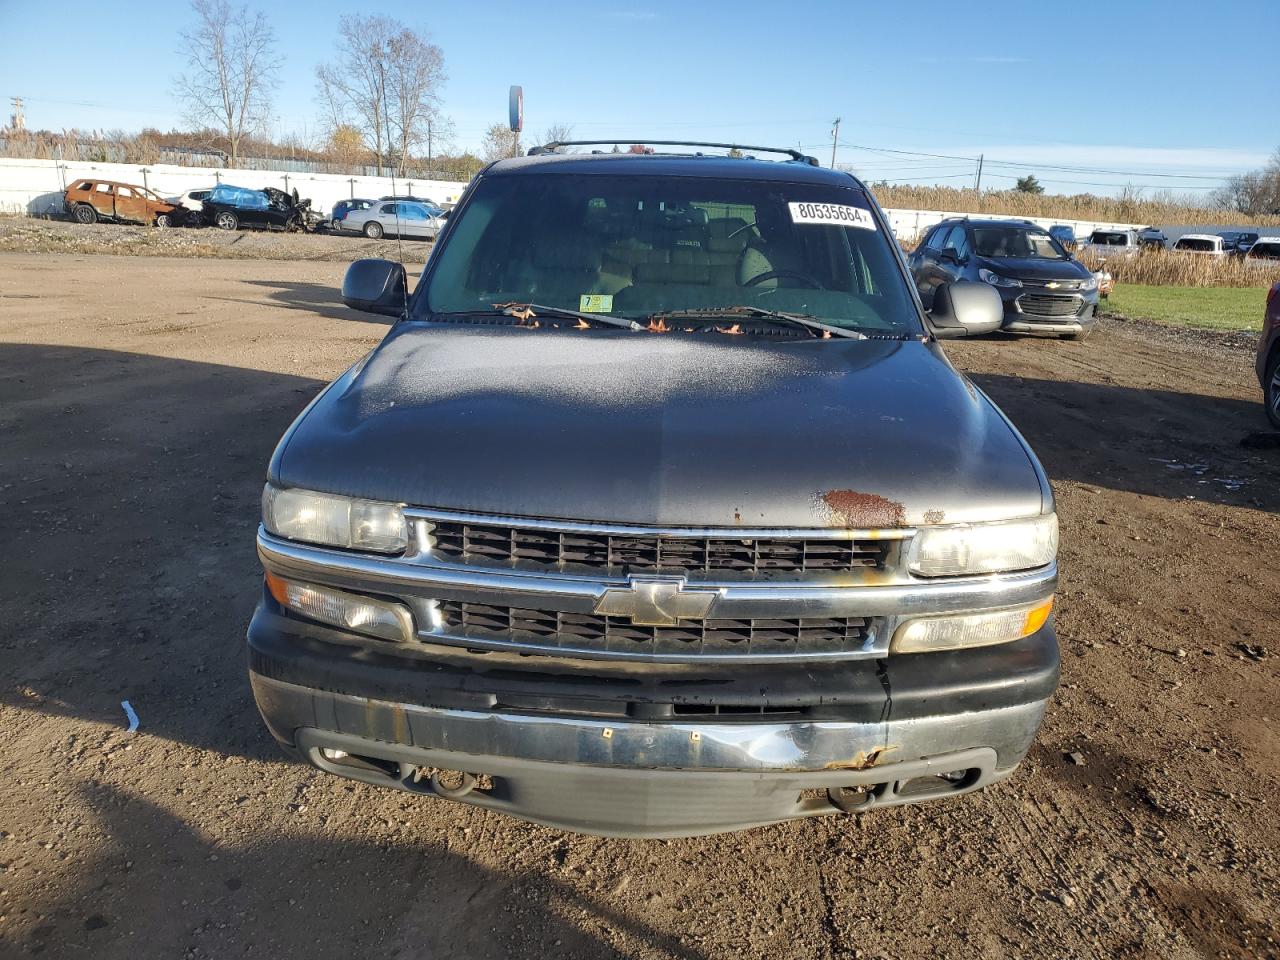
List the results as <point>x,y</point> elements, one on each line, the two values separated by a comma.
<point>864,510</point>
<point>934,516</point>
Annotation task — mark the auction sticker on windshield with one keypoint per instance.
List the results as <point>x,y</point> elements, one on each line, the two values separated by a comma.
<point>595,302</point>
<point>838,214</point>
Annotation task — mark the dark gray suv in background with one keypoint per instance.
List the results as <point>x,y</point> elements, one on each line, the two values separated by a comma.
<point>659,511</point>
<point>1044,288</point>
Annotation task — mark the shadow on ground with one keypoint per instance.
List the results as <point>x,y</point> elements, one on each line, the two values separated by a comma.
<point>159,888</point>
<point>1160,443</point>
<point>321,299</point>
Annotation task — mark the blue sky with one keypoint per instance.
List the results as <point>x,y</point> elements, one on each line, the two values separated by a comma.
<point>1132,88</point>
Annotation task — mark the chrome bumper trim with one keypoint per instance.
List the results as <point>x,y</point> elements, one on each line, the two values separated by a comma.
<point>1027,326</point>
<point>684,746</point>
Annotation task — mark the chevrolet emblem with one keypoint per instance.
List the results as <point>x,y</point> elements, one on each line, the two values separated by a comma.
<point>1052,285</point>
<point>656,601</point>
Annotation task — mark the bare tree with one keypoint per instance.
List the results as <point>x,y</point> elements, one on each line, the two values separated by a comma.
<point>386,83</point>
<point>558,133</point>
<point>232,69</point>
<point>500,142</point>
<point>1255,192</point>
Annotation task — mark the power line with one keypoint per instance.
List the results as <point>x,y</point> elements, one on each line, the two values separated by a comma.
<point>1039,165</point>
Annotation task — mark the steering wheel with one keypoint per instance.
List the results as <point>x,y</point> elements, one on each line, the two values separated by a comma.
<point>760,278</point>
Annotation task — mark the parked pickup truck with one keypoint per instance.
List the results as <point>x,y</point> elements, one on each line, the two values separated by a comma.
<point>659,511</point>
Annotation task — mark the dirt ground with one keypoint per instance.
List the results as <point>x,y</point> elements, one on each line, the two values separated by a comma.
<point>140,399</point>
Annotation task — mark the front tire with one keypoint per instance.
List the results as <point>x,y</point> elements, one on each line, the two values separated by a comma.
<point>83,213</point>
<point>373,230</point>
<point>227,220</point>
<point>164,221</point>
<point>1271,390</point>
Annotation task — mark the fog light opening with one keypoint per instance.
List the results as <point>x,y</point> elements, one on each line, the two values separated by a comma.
<point>452,784</point>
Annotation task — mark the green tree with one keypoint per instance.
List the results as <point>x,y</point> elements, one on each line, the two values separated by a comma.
<point>1028,184</point>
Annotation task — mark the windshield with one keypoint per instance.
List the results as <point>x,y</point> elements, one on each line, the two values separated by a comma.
<point>1265,250</point>
<point>1109,239</point>
<point>1016,242</point>
<point>635,246</point>
<point>1195,243</point>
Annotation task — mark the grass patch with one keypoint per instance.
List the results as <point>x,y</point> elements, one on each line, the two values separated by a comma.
<point>1214,308</point>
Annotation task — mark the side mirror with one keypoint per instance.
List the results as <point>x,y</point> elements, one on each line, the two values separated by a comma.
<point>949,255</point>
<point>965,309</point>
<point>376,286</point>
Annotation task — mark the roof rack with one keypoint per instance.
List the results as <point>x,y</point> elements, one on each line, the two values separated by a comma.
<point>793,154</point>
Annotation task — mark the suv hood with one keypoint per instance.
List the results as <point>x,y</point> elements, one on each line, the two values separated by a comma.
<point>1035,269</point>
<point>653,429</point>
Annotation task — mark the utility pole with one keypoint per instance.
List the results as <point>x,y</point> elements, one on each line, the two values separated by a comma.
<point>977,182</point>
<point>835,135</point>
<point>17,122</point>
<point>430,173</point>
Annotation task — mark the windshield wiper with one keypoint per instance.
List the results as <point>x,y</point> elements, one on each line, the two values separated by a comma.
<point>527,311</point>
<point>759,313</point>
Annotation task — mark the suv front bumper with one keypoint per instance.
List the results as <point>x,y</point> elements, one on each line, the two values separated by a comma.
<point>545,744</point>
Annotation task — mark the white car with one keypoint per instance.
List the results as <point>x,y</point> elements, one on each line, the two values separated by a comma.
<point>1206,244</point>
<point>192,199</point>
<point>1264,248</point>
<point>402,218</point>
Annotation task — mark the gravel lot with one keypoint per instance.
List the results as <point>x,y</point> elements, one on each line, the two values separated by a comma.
<point>140,399</point>
<point>25,235</point>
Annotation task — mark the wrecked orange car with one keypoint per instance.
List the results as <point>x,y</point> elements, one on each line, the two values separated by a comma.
<point>88,201</point>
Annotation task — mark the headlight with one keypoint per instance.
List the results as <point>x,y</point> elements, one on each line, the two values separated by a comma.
<point>1088,286</point>
<point>996,280</point>
<point>377,618</point>
<point>929,634</point>
<point>334,521</point>
<point>984,547</point>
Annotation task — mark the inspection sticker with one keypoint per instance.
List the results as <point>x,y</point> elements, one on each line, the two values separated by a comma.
<point>595,302</point>
<point>831,213</point>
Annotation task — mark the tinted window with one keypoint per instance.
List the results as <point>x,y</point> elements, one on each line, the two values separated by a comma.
<point>1265,251</point>
<point>936,238</point>
<point>1023,242</point>
<point>958,242</point>
<point>1109,239</point>
<point>652,244</point>
<point>389,209</point>
<point>1192,243</point>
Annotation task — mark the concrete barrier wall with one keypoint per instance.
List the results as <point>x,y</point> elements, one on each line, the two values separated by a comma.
<point>34,187</point>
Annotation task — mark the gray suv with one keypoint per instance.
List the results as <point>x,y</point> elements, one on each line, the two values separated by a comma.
<point>659,511</point>
<point>1043,287</point>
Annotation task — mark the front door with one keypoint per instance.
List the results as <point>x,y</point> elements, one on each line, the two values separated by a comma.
<point>103,200</point>
<point>129,205</point>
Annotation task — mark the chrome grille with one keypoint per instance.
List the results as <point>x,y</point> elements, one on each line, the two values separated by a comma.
<point>1050,305</point>
<point>491,624</point>
<point>537,548</point>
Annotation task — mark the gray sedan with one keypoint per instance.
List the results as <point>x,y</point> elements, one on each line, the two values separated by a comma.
<point>395,218</point>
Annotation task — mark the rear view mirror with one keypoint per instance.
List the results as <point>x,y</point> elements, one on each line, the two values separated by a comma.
<point>376,286</point>
<point>965,309</point>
